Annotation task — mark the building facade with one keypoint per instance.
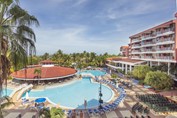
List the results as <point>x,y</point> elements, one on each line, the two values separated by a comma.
<point>157,44</point>
<point>124,51</point>
<point>153,46</point>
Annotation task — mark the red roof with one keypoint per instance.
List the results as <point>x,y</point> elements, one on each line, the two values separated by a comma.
<point>46,72</point>
<point>124,47</point>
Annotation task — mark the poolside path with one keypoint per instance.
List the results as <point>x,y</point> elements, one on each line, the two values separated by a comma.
<point>124,109</point>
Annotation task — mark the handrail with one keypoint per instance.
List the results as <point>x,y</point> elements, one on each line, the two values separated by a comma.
<point>17,89</point>
<point>24,90</point>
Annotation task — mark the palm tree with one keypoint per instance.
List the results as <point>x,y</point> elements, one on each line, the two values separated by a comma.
<point>38,72</point>
<point>56,113</point>
<point>44,113</point>
<point>6,102</point>
<point>16,37</point>
<point>52,113</point>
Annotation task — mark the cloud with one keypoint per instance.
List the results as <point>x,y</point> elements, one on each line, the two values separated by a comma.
<point>79,2</point>
<point>123,8</point>
<point>94,25</point>
<point>72,40</point>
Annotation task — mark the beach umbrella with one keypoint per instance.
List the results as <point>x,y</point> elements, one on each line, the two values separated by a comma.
<point>40,100</point>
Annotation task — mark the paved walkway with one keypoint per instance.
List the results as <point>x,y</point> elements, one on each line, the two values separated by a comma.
<point>124,109</point>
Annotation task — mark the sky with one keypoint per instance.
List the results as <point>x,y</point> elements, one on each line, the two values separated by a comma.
<point>93,25</point>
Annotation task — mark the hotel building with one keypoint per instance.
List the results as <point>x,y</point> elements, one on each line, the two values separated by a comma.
<point>124,51</point>
<point>153,46</point>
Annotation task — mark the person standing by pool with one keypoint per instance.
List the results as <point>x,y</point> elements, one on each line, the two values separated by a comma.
<point>81,114</point>
<point>85,104</point>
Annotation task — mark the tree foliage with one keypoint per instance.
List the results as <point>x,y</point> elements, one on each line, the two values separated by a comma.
<point>161,67</point>
<point>173,70</point>
<point>52,113</point>
<point>17,37</point>
<point>114,76</point>
<point>140,72</point>
<point>77,60</point>
<point>44,113</point>
<point>56,113</point>
<point>159,80</point>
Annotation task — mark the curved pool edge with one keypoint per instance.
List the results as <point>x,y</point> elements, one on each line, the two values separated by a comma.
<point>67,107</point>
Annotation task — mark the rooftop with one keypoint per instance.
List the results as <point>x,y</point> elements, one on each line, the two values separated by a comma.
<point>46,72</point>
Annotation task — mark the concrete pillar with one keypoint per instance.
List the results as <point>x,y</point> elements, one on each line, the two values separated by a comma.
<point>122,67</point>
<point>126,70</point>
<point>168,68</point>
<point>150,63</point>
<point>130,68</point>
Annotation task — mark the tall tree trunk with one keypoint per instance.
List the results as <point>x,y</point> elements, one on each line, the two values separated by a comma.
<point>1,70</point>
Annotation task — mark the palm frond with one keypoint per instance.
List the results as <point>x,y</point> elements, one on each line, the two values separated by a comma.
<point>26,31</point>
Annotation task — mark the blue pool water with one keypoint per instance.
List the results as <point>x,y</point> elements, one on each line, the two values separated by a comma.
<point>73,95</point>
<point>95,72</point>
<point>6,93</point>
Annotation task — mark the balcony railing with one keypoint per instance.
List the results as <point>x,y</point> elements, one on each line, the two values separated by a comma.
<point>165,40</point>
<point>163,49</point>
<point>170,30</point>
<point>136,57</point>
<point>148,43</point>
<point>135,40</point>
<point>147,50</point>
<point>148,37</point>
<point>147,57</point>
<point>165,57</point>
<point>135,46</point>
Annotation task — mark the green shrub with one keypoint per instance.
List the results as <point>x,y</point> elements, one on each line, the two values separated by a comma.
<point>113,76</point>
<point>140,72</point>
<point>159,80</point>
<point>120,71</point>
<point>56,113</point>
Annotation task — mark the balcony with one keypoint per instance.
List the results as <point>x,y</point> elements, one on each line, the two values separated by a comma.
<point>147,57</point>
<point>165,41</point>
<point>147,44</point>
<point>147,51</point>
<point>165,50</point>
<point>165,58</point>
<point>136,46</point>
<point>136,57</point>
<point>136,40</point>
<point>136,52</point>
<point>165,33</point>
<point>148,37</point>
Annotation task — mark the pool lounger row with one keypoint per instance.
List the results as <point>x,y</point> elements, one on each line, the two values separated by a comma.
<point>109,107</point>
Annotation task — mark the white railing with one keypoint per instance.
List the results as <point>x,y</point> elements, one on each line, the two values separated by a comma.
<point>135,40</point>
<point>163,49</point>
<point>27,88</point>
<point>165,57</point>
<point>17,89</point>
<point>165,40</point>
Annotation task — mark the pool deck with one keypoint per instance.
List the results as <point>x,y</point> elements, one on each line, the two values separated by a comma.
<point>123,110</point>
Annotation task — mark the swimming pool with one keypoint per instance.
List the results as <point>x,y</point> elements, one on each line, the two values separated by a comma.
<point>6,93</point>
<point>74,94</point>
<point>94,72</point>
